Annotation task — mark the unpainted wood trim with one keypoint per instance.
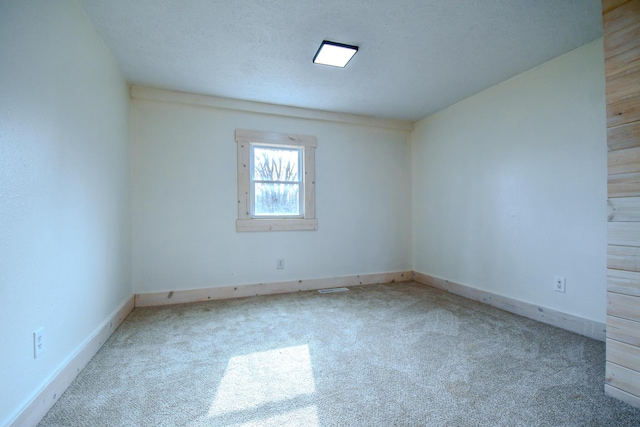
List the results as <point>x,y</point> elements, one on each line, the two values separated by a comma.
<point>49,394</point>
<point>164,95</point>
<point>248,136</point>
<point>243,181</point>
<point>245,223</point>
<point>432,281</point>
<point>310,182</point>
<point>253,224</point>
<point>623,378</point>
<point>240,291</point>
<point>580,325</point>
<point>622,395</point>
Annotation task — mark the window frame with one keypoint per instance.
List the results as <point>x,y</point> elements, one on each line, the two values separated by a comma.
<point>245,222</point>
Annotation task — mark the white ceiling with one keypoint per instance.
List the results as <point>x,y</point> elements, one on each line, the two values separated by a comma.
<point>416,56</point>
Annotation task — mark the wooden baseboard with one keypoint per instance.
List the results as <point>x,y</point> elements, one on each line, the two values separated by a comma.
<point>579,325</point>
<point>622,395</point>
<point>239,291</point>
<point>35,410</point>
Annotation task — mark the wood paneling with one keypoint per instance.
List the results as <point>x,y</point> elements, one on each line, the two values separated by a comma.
<point>622,40</point>
<point>624,306</point>
<point>624,209</point>
<point>624,161</point>
<point>622,354</point>
<point>608,5</point>
<point>623,111</point>
<point>627,331</point>
<point>623,185</point>
<point>622,64</point>
<point>620,18</point>
<point>623,86</point>
<point>623,136</point>
<point>624,233</point>
<point>623,258</point>
<point>623,378</point>
<point>621,24</point>
<point>622,395</point>
<point>623,282</point>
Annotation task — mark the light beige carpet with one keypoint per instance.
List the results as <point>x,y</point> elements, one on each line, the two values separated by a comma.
<point>382,355</point>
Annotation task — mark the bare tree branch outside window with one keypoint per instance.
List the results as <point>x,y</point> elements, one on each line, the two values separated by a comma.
<point>276,176</point>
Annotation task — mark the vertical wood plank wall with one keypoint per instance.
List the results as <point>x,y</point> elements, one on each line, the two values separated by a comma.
<point>621,23</point>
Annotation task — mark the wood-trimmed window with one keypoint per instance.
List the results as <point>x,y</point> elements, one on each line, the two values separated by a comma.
<point>276,181</point>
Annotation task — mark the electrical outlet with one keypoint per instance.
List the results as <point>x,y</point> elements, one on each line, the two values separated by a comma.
<point>38,342</point>
<point>280,264</point>
<point>559,284</point>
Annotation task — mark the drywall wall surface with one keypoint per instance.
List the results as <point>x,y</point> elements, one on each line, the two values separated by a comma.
<point>185,201</point>
<point>64,198</point>
<point>509,187</point>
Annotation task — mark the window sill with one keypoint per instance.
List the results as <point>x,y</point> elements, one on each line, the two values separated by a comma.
<point>276,224</point>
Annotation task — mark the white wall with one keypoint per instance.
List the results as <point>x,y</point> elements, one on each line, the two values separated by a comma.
<point>185,201</point>
<point>64,198</point>
<point>509,187</point>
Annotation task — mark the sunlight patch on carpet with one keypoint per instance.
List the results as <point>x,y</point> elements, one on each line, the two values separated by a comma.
<point>260,378</point>
<point>307,416</point>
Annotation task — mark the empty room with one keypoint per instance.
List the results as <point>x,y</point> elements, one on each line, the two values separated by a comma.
<point>279,212</point>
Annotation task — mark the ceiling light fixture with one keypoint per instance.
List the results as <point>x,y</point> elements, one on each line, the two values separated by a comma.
<point>334,54</point>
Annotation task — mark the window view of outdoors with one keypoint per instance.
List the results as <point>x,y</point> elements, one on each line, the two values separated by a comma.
<point>276,181</point>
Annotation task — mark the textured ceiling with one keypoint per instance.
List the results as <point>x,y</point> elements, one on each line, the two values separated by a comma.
<point>416,56</point>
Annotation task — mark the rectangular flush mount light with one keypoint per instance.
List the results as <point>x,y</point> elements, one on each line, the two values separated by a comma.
<point>334,54</point>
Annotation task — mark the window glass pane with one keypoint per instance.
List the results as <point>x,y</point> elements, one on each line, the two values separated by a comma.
<point>276,164</point>
<point>277,199</point>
